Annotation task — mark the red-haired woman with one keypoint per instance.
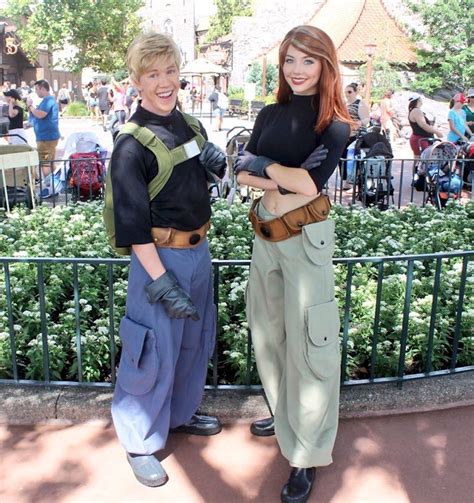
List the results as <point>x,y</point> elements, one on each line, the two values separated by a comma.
<point>291,308</point>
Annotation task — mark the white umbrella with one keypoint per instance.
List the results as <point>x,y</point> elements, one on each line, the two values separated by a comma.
<point>202,66</point>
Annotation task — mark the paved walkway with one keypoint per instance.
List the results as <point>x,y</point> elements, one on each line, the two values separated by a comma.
<point>412,458</point>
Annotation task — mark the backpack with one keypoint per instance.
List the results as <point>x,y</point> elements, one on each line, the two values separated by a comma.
<point>167,159</point>
<point>222,101</point>
<point>86,175</point>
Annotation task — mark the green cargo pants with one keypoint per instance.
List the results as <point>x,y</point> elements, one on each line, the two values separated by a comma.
<point>294,321</point>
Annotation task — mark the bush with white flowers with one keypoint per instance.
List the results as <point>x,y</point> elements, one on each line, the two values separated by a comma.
<point>77,231</point>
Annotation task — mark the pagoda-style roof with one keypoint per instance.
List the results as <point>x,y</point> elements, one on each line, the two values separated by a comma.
<point>356,23</point>
<point>376,26</point>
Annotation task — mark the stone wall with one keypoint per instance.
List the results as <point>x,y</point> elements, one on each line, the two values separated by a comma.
<point>175,17</point>
<point>254,36</point>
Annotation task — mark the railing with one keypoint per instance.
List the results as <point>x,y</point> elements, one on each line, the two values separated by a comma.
<point>456,341</point>
<point>395,189</point>
<point>64,186</point>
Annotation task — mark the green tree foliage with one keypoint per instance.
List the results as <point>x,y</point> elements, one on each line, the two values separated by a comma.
<point>255,76</point>
<point>221,22</point>
<point>447,57</point>
<point>99,30</point>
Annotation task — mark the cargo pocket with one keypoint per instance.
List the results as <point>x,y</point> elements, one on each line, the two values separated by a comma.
<point>322,339</point>
<point>139,362</point>
<point>318,241</point>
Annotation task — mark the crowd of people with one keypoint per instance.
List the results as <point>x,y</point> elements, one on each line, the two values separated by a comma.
<point>115,101</point>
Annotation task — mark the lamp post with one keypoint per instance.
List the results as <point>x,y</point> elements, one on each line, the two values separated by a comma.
<point>264,71</point>
<point>370,51</point>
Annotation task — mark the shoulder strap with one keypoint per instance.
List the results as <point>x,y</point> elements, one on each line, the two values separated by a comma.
<point>166,158</point>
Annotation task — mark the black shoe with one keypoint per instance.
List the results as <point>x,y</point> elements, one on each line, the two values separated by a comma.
<point>299,485</point>
<point>147,470</point>
<point>263,427</point>
<point>200,425</point>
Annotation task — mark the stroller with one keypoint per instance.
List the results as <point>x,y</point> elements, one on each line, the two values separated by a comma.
<point>373,164</point>
<point>437,166</point>
<point>237,139</point>
<point>85,175</point>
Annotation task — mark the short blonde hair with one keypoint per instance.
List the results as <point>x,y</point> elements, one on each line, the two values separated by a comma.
<point>146,48</point>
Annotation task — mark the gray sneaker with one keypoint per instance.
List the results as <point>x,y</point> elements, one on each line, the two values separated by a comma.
<point>147,470</point>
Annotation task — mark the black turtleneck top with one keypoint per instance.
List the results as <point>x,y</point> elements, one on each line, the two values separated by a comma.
<point>285,133</point>
<point>183,203</point>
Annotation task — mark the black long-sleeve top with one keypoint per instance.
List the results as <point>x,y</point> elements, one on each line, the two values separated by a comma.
<point>285,133</point>
<point>183,203</point>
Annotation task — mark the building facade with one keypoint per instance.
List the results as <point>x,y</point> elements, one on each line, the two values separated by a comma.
<point>177,18</point>
<point>16,67</point>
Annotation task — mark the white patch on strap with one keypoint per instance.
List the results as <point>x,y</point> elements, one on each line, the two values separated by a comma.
<point>192,149</point>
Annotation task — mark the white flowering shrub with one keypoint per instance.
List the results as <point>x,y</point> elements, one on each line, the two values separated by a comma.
<point>77,231</point>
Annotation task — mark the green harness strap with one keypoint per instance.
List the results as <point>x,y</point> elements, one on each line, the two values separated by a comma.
<point>167,159</point>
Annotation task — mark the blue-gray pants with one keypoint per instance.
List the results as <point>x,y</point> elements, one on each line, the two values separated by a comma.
<point>164,361</point>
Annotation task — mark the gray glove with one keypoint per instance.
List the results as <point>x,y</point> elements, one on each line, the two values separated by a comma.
<point>317,156</point>
<point>254,165</point>
<point>242,161</point>
<point>177,302</point>
<point>213,159</point>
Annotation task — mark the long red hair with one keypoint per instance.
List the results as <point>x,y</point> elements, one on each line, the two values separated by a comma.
<point>317,44</point>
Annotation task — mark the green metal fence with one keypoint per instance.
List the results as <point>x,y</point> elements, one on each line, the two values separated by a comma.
<point>399,176</point>
<point>457,335</point>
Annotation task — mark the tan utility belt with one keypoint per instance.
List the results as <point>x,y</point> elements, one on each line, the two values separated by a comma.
<point>290,224</point>
<point>167,237</point>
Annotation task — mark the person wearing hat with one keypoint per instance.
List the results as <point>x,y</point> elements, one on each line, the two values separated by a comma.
<point>15,114</point>
<point>421,127</point>
<point>469,107</point>
<point>168,331</point>
<point>458,128</point>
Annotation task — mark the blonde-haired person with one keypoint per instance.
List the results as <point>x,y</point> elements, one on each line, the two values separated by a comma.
<point>118,101</point>
<point>168,331</point>
<point>291,307</point>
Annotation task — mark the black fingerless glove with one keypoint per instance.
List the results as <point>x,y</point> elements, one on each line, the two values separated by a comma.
<point>213,159</point>
<point>176,301</point>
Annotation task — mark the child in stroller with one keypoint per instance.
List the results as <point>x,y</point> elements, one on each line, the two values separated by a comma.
<point>437,173</point>
<point>372,161</point>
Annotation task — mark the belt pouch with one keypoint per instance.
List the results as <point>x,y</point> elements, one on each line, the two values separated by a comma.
<point>320,207</point>
<point>297,218</point>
